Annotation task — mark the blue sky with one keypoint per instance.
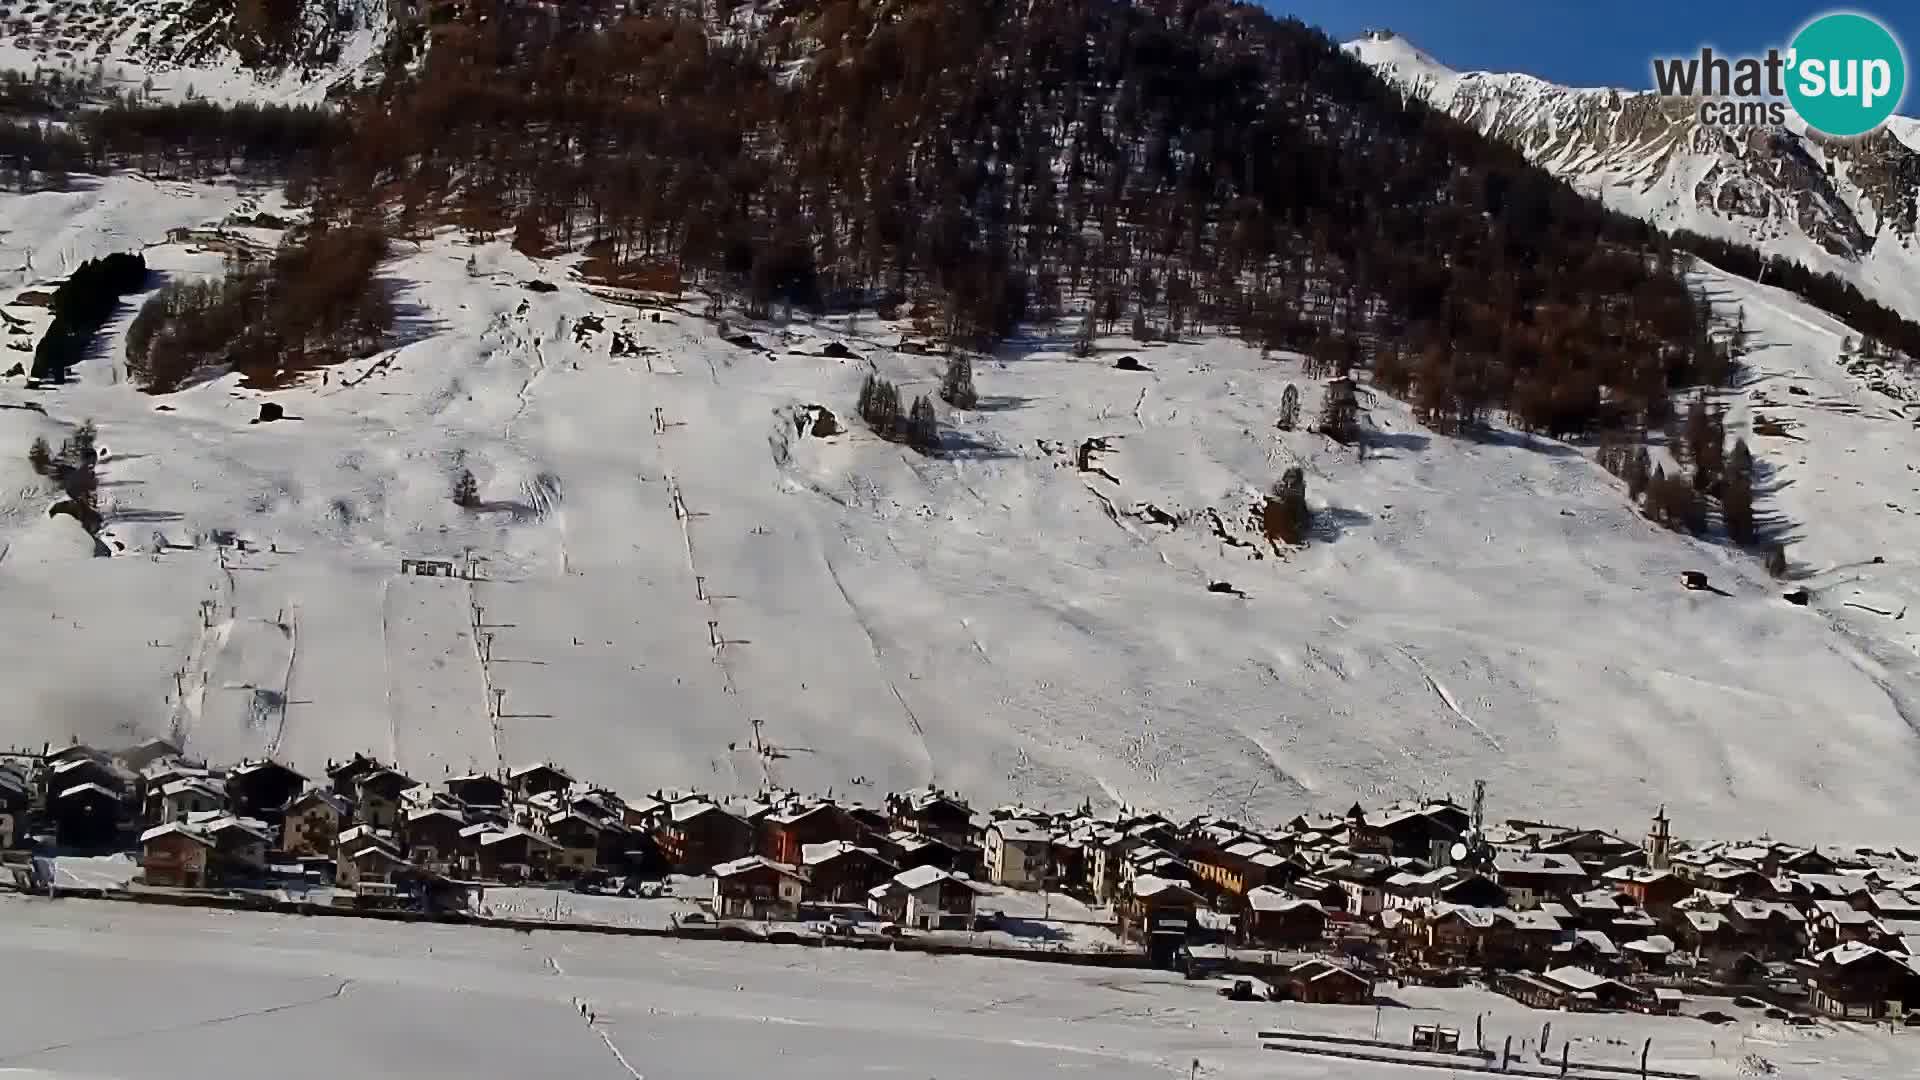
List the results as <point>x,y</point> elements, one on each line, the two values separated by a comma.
<point>1589,42</point>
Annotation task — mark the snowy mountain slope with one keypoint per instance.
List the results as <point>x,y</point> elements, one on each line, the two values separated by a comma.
<point>996,619</point>
<point>1842,207</point>
<point>178,49</point>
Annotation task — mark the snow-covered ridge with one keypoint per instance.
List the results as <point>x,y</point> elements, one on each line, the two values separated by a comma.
<point>1845,208</point>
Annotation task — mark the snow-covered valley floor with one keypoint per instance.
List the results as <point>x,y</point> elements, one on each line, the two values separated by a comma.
<point>994,620</point>
<point>102,990</point>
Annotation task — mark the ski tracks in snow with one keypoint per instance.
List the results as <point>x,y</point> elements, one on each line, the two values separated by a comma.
<point>860,620</point>
<point>1447,699</point>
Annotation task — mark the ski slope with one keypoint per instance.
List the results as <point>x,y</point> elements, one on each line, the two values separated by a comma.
<point>677,588</point>
<point>120,991</point>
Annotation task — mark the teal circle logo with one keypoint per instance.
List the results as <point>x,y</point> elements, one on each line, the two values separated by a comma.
<point>1848,74</point>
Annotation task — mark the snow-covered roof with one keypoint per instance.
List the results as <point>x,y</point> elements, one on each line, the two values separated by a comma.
<point>689,809</point>
<point>1836,885</point>
<point>1534,862</point>
<point>378,854</point>
<point>512,832</point>
<point>1246,849</point>
<point>339,803</point>
<point>1268,898</point>
<point>197,784</point>
<point>1847,953</point>
<point>248,768</point>
<point>1019,830</point>
<point>248,826</point>
<point>87,788</point>
<point>174,828</point>
<point>1597,941</point>
<point>1150,885</point>
<point>920,877</point>
<point>434,811</point>
<point>1574,978</point>
<point>755,862</point>
<point>1706,922</point>
<point>1891,902</point>
<point>1478,917</point>
<point>1762,910</point>
<point>1843,913</point>
<point>1534,920</point>
<point>1653,945</point>
<point>812,854</point>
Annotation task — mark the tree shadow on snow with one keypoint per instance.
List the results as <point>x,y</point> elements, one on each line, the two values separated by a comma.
<point>1772,526</point>
<point>141,515</point>
<point>959,446</point>
<point>1411,441</point>
<point>521,512</point>
<point>1001,403</point>
<point>1031,929</point>
<point>412,323</point>
<point>1520,440</point>
<point>1330,523</point>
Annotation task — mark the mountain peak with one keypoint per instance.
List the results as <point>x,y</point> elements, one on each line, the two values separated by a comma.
<point>1844,208</point>
<point>1386,51</point>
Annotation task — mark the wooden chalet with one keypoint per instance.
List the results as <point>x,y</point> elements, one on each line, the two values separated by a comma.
<point>345,775</point>
<point>935,814</point>
<point>1160,914</point>
<point>514,854</point>
<point>1277,920</point>
<point>1860,982</point>
<point>314,821</point>
<point>1321,982</point>
<point>530,780</point>
<point>262,790</point>
<point>698,835</point>
<point>175,856</point>
<point>477,790</point>
<point>377,797</point>
<point>785,832</point>
<point>839,872</point>
<point>430,837</point>
<point>86,816</point>
<point>1533,877</point>
<point>756,887</point>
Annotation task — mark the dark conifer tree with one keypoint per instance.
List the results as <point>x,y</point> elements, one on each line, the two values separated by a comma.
<point>466,490</point>
<point>1639,473</point>
<point>1284,516</point>
<point>1339,412</point>
<point>923,426</point>
<point>1736,502</point>
<point>1289,408</point>
<point>956,387</point>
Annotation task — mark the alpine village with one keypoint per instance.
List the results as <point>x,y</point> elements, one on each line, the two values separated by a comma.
<point>1326,908</point>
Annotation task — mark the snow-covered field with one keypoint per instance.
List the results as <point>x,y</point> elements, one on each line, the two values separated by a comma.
<point>994,620</point>
<point>99,990</point>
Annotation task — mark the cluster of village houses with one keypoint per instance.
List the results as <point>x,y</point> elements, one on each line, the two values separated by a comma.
<point>1556,917</point>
